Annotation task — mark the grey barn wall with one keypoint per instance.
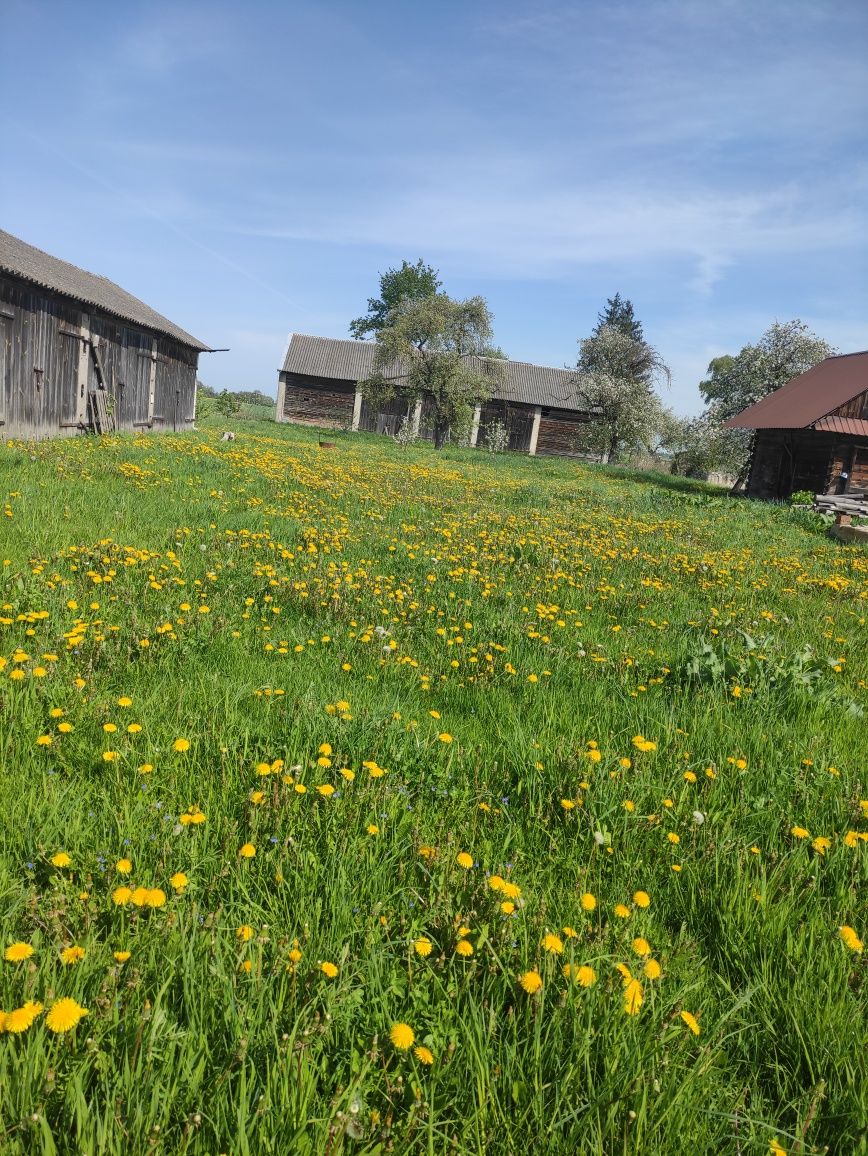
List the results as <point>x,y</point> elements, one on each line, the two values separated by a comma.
<point>45,366</point>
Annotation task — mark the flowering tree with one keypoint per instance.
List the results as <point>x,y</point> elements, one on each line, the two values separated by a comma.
<point>436,348</point>
<point>615,380</point>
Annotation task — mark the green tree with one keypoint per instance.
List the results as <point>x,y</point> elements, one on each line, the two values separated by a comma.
<point>615,377</point>
<point>619,313</point>
<point>434,348</point>
<point>409,283</point>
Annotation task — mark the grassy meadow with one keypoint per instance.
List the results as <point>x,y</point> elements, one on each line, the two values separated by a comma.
<point>376,800</point>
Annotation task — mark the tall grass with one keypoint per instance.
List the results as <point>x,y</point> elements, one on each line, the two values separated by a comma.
<point>587,682</point>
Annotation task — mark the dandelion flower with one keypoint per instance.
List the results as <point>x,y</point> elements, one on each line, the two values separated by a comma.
<point>22,1018</point>
<point>139,897</point>
<point>121,956</point>
<point>821,845</point>
<point>652,969</point>
<point>588,901</point>
<point>17,952</point>
<point>584,976</point>
<point>507,907</point>
<point>691,1021</point>
<point>553,944</point>
<point>402,1036</point>
<point>244,932</point>
<point>633,997</point>
<point>464,860</point>
<point>181,745</point>
<point>61,859</point>
<point>179,881</point>
<point>622,911</point>
<point>464,947</point>
<point>247,851</point>
<point>642,899</point>
<point>641,946</point>
<point>445,737</point>
<point>156,897</point>
<point>329,969</point>
<point>424,1055</point>
<point>848,937</point>
<point>531,981</point>
<point>122,895</point>
<point>73,954</point>
<point>123,866</point>
<point>423,946</point>
<point>64,1014</point>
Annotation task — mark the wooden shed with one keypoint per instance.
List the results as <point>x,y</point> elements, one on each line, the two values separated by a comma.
<point>79,353</point>
<point>812,433</point>
<point>318,385</point>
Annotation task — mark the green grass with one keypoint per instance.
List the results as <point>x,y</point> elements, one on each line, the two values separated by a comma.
<point>549,613</point>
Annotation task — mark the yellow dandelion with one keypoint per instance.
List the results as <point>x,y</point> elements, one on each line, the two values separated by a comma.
<point>122,895</point>
<point>633,997</point>
<point>123,866</point>
<point>641,899</point>
<point>691,1021</point>
<point>402,1036</point>
<point>424,1055</point>
<point>121,956</point>
<point>622,911</point>
<point>17,952</point>
<point>445,737</point>
<point>850,939</point>
<point>464,860</point>
<point>247,851</point>
<point>61,859</point>
<point>329,969</point>
<point>64,1014</point>
<point>530,981</point>
<point>73,954</point>
<point>181,745</point>
<point>464,947</point>
<point>588,901</point>
<point>423,946</point>
<point>22,1018</point>
<point>156,897</point>
<point>652,969</point>
<point>641,946</point>
<point>553,943</point>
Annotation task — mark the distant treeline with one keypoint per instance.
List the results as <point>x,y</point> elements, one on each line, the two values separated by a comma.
<point>241,396</point>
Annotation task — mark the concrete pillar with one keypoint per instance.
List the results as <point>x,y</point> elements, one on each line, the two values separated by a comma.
<point>474,431</point>
<point>417,416</point>
<point>534,429</point>
<point>281,399</point>
<point>357,408</point>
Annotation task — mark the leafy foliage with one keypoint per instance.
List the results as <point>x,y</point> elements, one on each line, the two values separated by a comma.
<point>433,347</point>
<point>619,315</point>
<point>409,283</point>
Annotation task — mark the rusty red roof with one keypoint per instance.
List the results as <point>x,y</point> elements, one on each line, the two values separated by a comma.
<point>854,426</point>
<point>809,397</point>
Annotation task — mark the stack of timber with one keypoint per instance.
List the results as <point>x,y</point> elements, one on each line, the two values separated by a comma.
<point>854,503</point>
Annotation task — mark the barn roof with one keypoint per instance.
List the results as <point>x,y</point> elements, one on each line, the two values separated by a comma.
<point>31,264</point>
<point>809,399</point>
<point>346,360</point>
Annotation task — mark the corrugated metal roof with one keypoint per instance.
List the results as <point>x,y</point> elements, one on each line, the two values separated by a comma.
<point>853,426</point>
<point>347,360</point>
<point>23,260</point>
<point>810,396</point>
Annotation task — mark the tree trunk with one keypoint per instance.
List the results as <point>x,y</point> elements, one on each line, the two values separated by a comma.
<point>613,443</point>
<point>441,432</point>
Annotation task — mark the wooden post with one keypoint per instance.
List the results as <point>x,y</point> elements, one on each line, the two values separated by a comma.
<point>474,432</point>
<point>534,430</point>
<point>357,408</point>
<point>417,416</point>
<point>83,371</point>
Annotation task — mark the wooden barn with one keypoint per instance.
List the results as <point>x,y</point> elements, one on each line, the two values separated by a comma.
<point>78,353</point>
<point>318,385</point>
<point>812,433</point>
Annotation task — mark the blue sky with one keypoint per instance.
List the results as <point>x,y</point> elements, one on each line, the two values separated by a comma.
<point>248,170</point>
